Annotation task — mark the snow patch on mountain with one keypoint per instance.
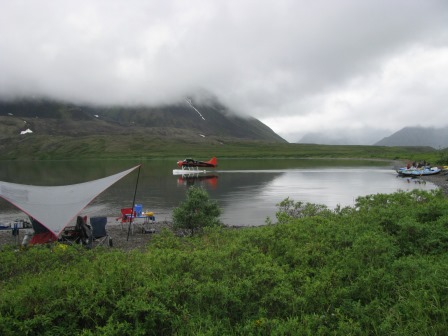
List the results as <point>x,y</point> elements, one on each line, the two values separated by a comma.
<point>191,104</point>
<point>26,131</point>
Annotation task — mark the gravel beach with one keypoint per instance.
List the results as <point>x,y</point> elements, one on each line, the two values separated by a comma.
<point>138,237</point>
<point>440,180</point>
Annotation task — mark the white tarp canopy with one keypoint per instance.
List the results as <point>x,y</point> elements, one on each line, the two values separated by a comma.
<point>55,207</point>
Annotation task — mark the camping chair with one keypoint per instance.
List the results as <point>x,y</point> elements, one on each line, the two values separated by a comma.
<point>126,216</point>
<point>99,232</point>
<point>41,234</point>
<point>71,235</point>
<point>78,234</point>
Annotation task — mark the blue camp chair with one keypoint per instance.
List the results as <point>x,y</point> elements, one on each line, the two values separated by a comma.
<point>99,232</point>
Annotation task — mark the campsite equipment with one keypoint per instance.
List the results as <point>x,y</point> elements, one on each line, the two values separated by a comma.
<point>42,234</point>
<point>129,216</point>
<point>81,233</point>
<point>52,208</point>
<point>99,232</point>
<point>138,210</point>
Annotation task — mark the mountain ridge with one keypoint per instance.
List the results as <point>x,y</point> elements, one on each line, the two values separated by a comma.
<point>411,136</point>
<point>188,118</point>
<point>417,136</point>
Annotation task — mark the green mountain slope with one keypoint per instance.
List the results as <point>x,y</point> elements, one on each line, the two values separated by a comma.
<point>187,119</point>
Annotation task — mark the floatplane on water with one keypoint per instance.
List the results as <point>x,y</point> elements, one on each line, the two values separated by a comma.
<point>190,166</point>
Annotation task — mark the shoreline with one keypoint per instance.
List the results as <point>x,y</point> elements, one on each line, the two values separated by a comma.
<point>138,238</point>
<point>440,180</point>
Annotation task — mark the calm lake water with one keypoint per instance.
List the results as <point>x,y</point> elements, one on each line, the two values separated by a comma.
<point>246,190</point>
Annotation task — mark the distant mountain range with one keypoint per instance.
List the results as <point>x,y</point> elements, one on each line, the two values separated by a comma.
<point>408,136</point>
<point>362,137</point>
<point>188,119</point>
<point>417,136</point>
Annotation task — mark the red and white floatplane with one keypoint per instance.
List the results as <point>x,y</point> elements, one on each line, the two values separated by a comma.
<point>191,166</point>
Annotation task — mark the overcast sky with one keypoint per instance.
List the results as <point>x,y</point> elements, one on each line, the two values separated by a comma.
<point>299,66</point>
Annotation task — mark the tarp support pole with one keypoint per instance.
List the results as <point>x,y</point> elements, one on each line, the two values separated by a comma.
<point>133,203</point>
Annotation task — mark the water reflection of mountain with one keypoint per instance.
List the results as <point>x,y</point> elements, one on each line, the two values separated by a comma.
<point>231,183</point>
<point>241,197</point>
<point>52,173</point>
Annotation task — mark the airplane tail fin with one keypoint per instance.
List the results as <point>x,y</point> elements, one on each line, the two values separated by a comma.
<point>213,161</point>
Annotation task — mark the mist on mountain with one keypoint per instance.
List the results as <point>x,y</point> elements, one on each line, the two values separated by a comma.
<point>364,136</point>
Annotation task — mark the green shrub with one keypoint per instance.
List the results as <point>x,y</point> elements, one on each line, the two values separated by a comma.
<point>196,212</point>
<point>379,268</point>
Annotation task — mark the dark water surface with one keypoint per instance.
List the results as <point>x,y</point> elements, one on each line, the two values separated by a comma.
<point>246,190</point>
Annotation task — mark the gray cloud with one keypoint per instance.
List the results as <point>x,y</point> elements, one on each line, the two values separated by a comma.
<point>290,63</point>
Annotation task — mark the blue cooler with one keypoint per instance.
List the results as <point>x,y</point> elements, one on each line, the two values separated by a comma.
<point>138,208</point>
